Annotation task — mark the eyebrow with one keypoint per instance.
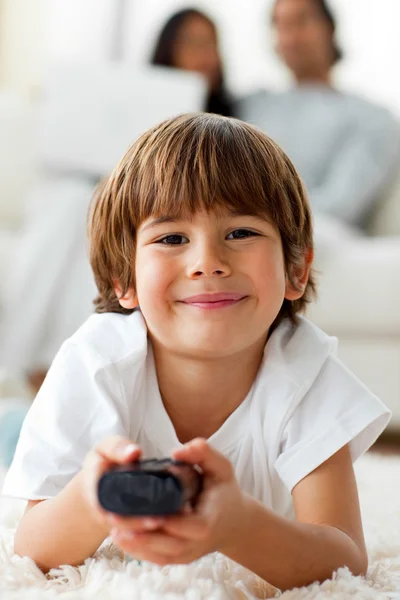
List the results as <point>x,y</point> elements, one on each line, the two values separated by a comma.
<point>242,213</point>
<point>160,221</point>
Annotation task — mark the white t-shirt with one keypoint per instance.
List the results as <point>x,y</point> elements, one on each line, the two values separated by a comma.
<point>304,405</point>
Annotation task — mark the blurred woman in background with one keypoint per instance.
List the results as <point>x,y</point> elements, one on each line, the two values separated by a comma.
<point>346,149</point>
<point>189,41</point>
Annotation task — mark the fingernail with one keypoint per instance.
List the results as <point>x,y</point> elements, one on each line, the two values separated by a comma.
<point>152,523</point>
<point>112,519</point>
<point>126,534</point>
<point>125,451</point>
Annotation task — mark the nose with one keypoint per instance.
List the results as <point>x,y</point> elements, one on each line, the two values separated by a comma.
<point>209,260</point>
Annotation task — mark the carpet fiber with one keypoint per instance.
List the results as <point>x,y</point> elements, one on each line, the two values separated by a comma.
<point>109,576</point>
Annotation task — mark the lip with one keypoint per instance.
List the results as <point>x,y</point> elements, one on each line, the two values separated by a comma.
<point>214,301</point>
<point>214,297</point>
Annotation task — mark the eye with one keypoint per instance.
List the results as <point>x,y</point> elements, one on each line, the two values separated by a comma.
<point>173,240</point>
<point>241,234</point>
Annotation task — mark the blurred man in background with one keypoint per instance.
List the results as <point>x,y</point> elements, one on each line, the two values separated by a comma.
<point>346,149</point>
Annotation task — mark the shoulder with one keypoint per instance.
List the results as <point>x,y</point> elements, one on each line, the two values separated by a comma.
<point>321,406</point>
<point>101,364</point>
<point>294,357</point>
<point>306,356</point>
<point>109,338</point>
<point>301,349</point>
<point>251,104</point>
<point>368,112</point>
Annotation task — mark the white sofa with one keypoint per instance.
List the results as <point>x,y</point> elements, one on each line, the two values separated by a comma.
<point>359,281</point>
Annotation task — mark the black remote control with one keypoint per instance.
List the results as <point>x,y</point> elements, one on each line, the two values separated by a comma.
<point>153,487</point>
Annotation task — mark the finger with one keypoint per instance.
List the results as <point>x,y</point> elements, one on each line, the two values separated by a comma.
<point>213,463</point>
<point>155,543</point>
<point>141,554</point>
<point>187,509</point>
<point>93,468</point>
<point>119,522</point>
<point>112,450</point>
<point>118,449</point>
<point>191,527</point>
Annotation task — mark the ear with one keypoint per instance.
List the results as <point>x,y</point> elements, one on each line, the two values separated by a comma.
<point>128,300</point>
<point>301,275</point>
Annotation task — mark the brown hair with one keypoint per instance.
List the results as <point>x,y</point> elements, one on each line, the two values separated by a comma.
<point>192,162</point>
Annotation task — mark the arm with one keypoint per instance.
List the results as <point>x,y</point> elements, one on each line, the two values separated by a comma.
<point>362,169</point>
<point>70,527</point>
<point>61,530</point>
<point>326,535</point>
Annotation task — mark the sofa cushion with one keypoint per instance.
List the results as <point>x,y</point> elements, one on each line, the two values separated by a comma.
<point>359,288</point>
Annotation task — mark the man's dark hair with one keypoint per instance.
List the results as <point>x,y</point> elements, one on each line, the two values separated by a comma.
<point>328,14</point>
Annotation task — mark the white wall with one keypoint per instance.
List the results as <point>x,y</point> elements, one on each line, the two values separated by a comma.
<point>22,49</point>
<point>80,29</point>
<point>35,31</point>
<point>370,33</point>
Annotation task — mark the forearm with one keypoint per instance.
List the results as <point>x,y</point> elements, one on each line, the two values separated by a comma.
<point>61,530</point>
<point>290,554</point>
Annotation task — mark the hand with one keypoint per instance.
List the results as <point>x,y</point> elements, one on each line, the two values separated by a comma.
<point>215,524</point>
<point>112,451</point>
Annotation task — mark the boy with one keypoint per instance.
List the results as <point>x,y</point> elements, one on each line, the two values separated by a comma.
<point>204,224</point>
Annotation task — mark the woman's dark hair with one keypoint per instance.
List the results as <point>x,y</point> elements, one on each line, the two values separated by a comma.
<point>218,100</point>
<point>328,14</point>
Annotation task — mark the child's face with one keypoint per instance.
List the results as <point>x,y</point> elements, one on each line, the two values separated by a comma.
<point>209,285</point>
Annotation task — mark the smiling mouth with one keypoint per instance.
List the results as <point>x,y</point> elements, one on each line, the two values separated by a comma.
<point>214,301</point>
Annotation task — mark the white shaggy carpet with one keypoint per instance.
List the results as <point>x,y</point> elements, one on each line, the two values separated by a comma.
<point>109,576</point>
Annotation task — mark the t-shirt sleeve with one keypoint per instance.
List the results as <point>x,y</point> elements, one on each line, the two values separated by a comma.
<point>337,410</point>
<point>79,404</point>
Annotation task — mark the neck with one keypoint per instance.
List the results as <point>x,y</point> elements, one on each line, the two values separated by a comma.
<point>317,78</point>
<point>206,391</point>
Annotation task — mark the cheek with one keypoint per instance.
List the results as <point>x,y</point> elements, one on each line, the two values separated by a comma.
<point>185,58</point>
<point>319,42</point>
<point>154,275</point>
<point>269,277</point>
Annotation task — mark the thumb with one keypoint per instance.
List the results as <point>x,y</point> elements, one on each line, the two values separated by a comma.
<point>212,463</point>
<point>113,450</point>
<point>118,449</point>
